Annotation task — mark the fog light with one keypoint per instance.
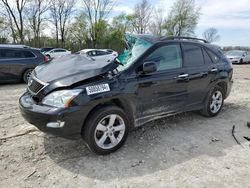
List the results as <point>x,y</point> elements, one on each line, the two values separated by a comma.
<point>58,124</point>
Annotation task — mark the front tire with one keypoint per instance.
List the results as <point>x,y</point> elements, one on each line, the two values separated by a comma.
<point>214,102</point>
<point>106,130</point>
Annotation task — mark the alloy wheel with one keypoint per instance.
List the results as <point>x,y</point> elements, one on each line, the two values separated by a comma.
<point>216,102</point>
<point>109,131</point>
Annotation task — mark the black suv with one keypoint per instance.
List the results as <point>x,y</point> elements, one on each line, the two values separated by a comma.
<point>17,62</point>
<point>152,78</point>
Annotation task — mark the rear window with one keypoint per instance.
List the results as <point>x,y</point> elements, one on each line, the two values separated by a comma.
<point>101,53</point>
<point>207,58</point>
<point>59,50</point>
<point>193,55</point>
<point>15,54</point>
<point>213,56</point>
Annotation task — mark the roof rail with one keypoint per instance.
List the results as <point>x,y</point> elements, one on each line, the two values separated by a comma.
<point>183,38</point>
<point>14,45</point>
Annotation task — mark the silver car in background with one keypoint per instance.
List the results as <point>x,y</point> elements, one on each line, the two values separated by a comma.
<point>238,56</point>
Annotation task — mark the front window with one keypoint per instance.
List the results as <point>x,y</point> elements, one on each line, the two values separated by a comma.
<point>136,47</point>
<point>166,57</point>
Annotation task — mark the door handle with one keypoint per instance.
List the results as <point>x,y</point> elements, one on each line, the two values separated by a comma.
<point>183,76</point>
<point>214,70</point>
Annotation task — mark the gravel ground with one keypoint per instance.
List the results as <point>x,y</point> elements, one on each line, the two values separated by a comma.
<point>186,150</point>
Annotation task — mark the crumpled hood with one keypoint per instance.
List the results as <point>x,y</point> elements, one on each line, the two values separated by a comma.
<point>71,69</point>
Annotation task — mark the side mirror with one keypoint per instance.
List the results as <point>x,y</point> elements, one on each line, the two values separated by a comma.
<point>149,67</point>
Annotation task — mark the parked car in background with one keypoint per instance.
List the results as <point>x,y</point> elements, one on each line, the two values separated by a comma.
<point>57,52</point>
<point>46,49</point>
<point>100,54</point>
<point>153,78</point>
<point>17,62</point>
<point>238,56</point>
<point>111,52</point>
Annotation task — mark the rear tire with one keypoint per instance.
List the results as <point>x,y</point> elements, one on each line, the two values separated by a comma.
<point>214,102</point>
<point>26,75</point>
<point>106,130</point>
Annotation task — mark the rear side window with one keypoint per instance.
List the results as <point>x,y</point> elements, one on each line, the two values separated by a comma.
<point>59,50</point>
<point>193,55</point>
<point>167,57</point>
<point>110,51</point>
<point>92,53</point>
<point>101,53</point>
<point>28,54</point>
<point>213,56</point>
<point>15,54</point>
<point>10,54</point>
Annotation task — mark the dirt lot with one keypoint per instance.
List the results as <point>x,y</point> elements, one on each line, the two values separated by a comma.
<point>187,150</point>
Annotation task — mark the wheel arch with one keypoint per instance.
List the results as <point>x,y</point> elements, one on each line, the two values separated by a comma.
<point>124,104</point>
<point>223,85</point>
<point>24,71</point>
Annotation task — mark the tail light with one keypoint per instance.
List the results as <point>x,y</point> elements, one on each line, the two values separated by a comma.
<point>45,59</point>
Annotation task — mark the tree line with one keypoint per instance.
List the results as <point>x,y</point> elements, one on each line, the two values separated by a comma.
<point>90,26</point>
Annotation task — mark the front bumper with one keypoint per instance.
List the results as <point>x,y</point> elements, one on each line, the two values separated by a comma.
<point>233,61</point>
<point>40,116</point>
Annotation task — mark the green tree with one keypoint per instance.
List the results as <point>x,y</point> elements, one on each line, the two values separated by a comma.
<point>142,17</point>
<point>16,15</point>
<point>78,33</point>
<point>156,25</point>
<point>35,14</point>
<point>123,23</point>
<point>183,18</point>
<point>96,11</point>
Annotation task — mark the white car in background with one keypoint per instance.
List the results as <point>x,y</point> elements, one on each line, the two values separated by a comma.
<point>57,52</point>
<point>100,54</point>
<point>238,56</point>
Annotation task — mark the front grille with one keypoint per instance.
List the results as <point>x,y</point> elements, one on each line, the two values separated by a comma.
<point>35,86</point>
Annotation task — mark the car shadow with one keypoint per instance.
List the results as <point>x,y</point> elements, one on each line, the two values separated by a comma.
<point>156,146</point>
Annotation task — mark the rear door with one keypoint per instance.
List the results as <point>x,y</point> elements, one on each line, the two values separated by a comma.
<point>4,66</point>
<point>200,73</point>
<point>164,91</point>
<point>102,55</point>
<point>12,62</point>
<point>27,60</point>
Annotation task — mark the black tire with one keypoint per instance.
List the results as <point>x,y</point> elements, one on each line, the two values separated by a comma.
<point>89,133</point>
<point>26,75</point>
<point>207,111</point>
<point>241,61</point>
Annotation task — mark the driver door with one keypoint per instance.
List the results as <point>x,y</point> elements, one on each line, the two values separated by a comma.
<point>164,91</point>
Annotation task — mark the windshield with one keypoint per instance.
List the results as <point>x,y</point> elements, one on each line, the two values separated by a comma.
<point>235,53</point>
<point>136,47</point>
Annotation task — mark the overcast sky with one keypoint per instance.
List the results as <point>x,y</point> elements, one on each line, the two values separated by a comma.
<point>230,17</point>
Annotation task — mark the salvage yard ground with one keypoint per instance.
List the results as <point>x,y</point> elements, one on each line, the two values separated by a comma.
<point>187,150</point>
